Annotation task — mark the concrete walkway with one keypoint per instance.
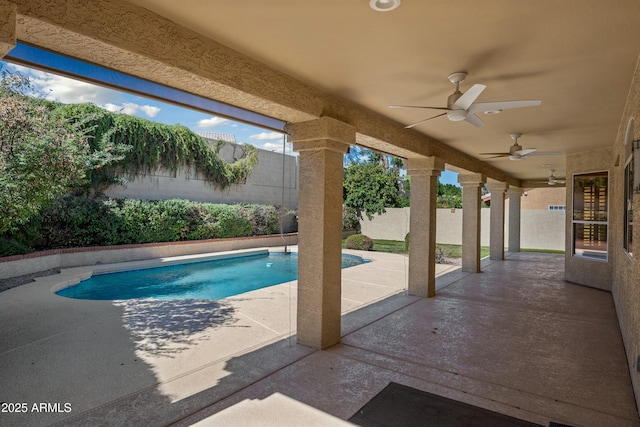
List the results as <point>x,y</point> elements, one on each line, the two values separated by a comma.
<point>515,339</point>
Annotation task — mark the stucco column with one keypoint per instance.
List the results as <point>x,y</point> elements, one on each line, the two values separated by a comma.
<point>7,27</point>
<point>496,223</point>
<point>424,174</point>
<point>321,144</point>
<point>471,220</point>
<point>515,195</point>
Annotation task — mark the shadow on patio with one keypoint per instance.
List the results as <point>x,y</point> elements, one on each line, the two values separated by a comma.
<point>515,339</point>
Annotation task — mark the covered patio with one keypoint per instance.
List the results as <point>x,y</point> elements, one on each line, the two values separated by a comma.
<point>514,335</point>
<point>538,349</point>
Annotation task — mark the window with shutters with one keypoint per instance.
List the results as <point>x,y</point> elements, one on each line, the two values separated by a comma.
<point>590,215</point>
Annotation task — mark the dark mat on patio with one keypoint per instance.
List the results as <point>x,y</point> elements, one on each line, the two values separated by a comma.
<point>398,405</point>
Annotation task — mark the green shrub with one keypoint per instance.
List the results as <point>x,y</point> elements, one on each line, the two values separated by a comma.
<point>350,220</point>
<point>406,241</point>
<point>359,242</point>
<point>73,222</point>
<point>10,247</point>
<point>79,221</point>
<point>150,221</point>
<point>441,255</point>
<point>228,221</point>
<point>264,219</point>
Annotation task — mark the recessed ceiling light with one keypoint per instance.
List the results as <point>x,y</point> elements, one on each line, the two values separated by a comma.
<point>489,112</point>
<point>546,165</point>
<point>384,5</point>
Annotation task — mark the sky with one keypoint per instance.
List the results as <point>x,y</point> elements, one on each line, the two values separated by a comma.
<point>62,89</point>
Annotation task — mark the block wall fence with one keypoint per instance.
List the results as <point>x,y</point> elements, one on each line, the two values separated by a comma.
<point>540,229</point>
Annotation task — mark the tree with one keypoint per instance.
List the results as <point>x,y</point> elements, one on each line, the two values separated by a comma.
<point>42,157</point>
<point>449,196</point>
<point>372,183</point>
<point>49,149</point>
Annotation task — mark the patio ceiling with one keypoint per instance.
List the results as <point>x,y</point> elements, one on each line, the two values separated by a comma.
<point>577,56</point>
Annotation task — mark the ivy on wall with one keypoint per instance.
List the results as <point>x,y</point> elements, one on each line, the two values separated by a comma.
<point>148,146</point>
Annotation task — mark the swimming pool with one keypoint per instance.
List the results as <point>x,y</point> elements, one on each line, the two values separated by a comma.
<point>212,280</point>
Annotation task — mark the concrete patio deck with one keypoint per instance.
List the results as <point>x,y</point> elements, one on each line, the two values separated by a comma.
<point>515,339</point>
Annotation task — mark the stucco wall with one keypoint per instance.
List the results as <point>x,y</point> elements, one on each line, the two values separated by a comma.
<point>589,272</point>
<point>539,229</point>
<point>626,269</point>
<point>541,198</point>
<point>264,186</point>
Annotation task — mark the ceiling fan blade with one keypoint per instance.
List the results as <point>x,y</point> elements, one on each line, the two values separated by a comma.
<point>526,152</point>
<point>474,120</point>
<point>422,121</point>
<point>469,96</point>
<point>419,106</point>
<point>547,153</point>
<point>495,154</point>
<point>501,105</point>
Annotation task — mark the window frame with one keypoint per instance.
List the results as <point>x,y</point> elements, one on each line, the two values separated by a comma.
<point>627,244</point>
<point>593,222</point>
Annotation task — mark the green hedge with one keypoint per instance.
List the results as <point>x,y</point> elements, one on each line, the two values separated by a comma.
<point>77,221</point>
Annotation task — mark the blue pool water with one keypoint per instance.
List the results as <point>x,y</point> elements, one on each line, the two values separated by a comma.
<point>200,280</point>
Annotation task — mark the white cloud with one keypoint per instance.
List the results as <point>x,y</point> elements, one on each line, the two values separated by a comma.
<point>112,107</point>
<point>270,146</point>
<point>65,90</point>
<point>211,122</point>
<point>69,91</point>
<point>129,108</point>
<point>132,109</point>
<point>267,136</point>
<point>276,146</point>
<point>150,110</point>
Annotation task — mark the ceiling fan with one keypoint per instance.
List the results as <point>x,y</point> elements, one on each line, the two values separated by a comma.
<point>461,106</point>
<point>553,180</point>
<point>516,152</point>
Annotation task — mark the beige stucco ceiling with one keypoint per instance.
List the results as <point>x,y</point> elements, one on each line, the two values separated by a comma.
<point>577,56</point>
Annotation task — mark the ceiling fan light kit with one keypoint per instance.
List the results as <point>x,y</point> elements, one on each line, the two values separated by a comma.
<point>457,115</point>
